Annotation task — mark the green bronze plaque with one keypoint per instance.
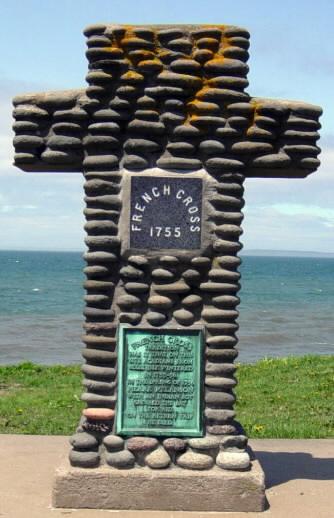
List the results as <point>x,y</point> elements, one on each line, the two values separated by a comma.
<point>159,382</point>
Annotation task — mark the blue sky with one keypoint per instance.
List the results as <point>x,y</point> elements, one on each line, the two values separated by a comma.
<point>292,56</point>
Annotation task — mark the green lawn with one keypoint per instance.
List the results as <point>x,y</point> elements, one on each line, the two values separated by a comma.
<point>286,398</point>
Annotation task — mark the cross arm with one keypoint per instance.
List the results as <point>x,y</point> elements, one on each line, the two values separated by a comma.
<point>287,130</point>
<point>49,128</point>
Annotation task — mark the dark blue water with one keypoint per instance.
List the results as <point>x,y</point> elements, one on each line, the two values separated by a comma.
<point>287,307</point>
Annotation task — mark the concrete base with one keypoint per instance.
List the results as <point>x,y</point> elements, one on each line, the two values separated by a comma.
<point>173,489</point>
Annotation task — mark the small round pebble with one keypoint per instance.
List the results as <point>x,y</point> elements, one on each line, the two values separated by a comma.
<point>174,445</point>
<point>113,442</point>
<point>83,441</point>
<point>158,459</point>
<point>233,460</point>
<point>192,460</point>
<point>203,443</point>
<point>141,444</point>
<point>121,459</point>
<point>84,459</point>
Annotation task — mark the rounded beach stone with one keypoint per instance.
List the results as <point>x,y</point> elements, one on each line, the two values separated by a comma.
<point>192,460</point>
<point>141,444</point>
<point>174,445</point>
<point>203,443</point>
<point>121,459</point>
<point>84,459</point>
<point>83,441</point>
<point>233,441</point>
<point>155,318</point>
<point>233,460</point>
<point>113,443</point>
<point>158,459</point>
<point>99,414</point>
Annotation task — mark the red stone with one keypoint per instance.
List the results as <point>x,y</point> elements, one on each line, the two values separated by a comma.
<point>141,444</point>
<point>99,414</point>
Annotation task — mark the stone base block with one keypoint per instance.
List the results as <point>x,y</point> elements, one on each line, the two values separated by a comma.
<point>172,489</point>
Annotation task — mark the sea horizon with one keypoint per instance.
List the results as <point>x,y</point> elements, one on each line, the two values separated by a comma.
<point>244,252</point>
<point>287,306</point>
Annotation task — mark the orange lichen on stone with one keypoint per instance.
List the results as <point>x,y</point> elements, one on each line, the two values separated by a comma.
<point>256,106</point>
<point>132,77</point>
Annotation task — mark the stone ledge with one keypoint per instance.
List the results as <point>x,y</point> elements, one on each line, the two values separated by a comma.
<point>173,489</point>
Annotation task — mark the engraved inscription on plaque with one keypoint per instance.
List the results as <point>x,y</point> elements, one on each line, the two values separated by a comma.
<point>160,382</point>
<point>165,212</point>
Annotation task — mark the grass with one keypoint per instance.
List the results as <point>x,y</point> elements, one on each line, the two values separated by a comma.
<point>277,398</point>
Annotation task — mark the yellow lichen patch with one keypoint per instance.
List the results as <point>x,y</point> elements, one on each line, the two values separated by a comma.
<point>256,106</point>
<point>132,77</point>
<point>225,42</point>
<point>197,107</point>
<point>150,65</point>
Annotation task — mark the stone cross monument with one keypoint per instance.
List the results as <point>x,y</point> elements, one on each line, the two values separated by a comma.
<point>165,135</point>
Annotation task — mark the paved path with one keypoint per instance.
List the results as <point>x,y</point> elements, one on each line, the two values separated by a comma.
<point>300,480</point>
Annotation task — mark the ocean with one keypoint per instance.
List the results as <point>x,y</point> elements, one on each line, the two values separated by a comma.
<point>287,307</point>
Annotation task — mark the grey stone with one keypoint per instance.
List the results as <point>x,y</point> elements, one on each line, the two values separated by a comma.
<point>219,382</point>
<point>120,459</point>
<point>99,355</point>
<point>99,386</point>
<point>222,340</point>
<point>217,397</point>
<point>146,127</point>
<point>159,301</point>
<point>223,355</point>
<point>134,162</point>
<point>175,287</point>
<point>130,272</point>
<point>84,441</point>
<point>274,160</point>
<point>222,429</point>
<point>184,316</point>
<point>203,55</point>
<point>233,460</point>
<point>219,274</point>
<point>225,301</point>
<point>99,373</point>
<point>223,164</point>
<point>158,459</point>
<point>172,118</point>
<point>104,128</point>
<point>185,66</point>
<point>84,459</point>
<point>174,445</point>
<point>138,260</point>
<point>113,443</point>
<point>211,147</point>
<point>204,443</point>
<point>192,301</point>
<point>136,287</point>
<point>179,163</point>
<point>191,276</point>
<point>141,146</point>
<point>169,260</point>
<point>192,460</point>
<point>128,301</point>
<point>130,318</point>
<point>162,274</point>
<point>233,441</point>
<point>181,148</point>
<point>155,318</point>
<point>180,45</point>
<point>221,415</point>
<point>217,369</point>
